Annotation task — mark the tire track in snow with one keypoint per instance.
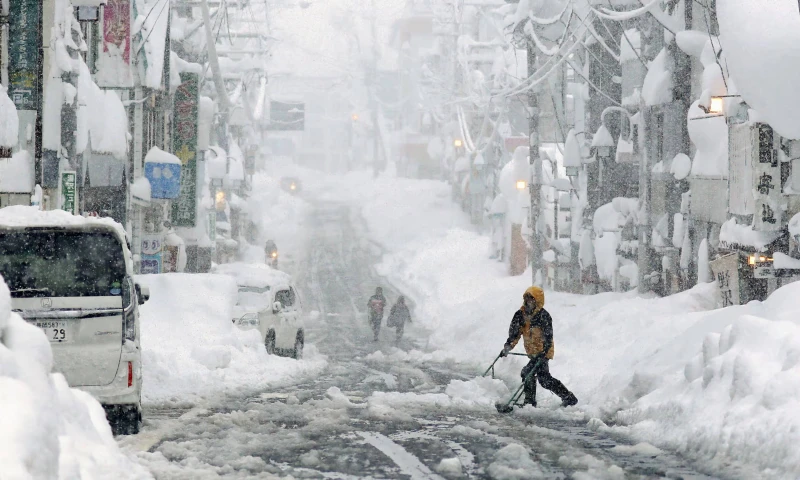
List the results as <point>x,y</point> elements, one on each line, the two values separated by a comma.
<point>407,462</point>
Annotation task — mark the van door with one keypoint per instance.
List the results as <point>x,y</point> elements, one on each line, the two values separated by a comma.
<point>72,284</point>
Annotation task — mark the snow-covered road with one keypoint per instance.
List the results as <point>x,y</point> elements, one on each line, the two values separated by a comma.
<point>375,412</point>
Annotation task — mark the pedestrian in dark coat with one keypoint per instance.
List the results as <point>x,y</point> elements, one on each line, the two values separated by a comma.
<point>398,316</point>
<point>534,324</point>
<point>375,306</point>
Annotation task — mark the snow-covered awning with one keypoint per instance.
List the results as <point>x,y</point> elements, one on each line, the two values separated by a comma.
<point>9,121</point>
<point>156,155</point>
<point>16,173</point>
<point>734,235</point>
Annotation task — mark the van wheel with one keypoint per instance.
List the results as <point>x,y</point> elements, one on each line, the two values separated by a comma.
<point>269,342</point>
<point>297,353</point>
<point>124,419</point>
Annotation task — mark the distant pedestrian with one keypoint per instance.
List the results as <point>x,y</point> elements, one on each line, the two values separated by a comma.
<point>376,305</point>
<point>398,316</point>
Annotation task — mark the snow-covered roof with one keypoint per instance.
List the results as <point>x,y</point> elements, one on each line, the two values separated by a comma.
<point>16,173</point>
<point>761,43</point>
<point>253,274</point>
<point>9,121</point>
<point>156,155</point>
<point>19,216</point>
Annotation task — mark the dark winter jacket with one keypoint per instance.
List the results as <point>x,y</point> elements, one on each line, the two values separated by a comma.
<point>376,304</point>
<point>399,315</point>
<point>535,329</point>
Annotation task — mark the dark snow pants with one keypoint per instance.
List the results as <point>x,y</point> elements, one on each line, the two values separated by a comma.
<point>543,375</point>
<point>375,320</point>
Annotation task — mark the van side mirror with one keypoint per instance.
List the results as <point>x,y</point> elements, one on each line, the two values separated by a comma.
<point>276,307</point>
<point>142,293</point>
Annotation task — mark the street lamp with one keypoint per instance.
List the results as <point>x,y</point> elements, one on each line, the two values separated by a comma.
<point>355,117</point>
<point>522,185</point>
<point>715,106</point>
<point>457,143</point>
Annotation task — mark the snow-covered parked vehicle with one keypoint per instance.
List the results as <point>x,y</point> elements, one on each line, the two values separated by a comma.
<point>268,301</point>
<point>73,277</point>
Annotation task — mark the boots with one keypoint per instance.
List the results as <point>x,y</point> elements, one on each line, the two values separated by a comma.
<point>569,400</point>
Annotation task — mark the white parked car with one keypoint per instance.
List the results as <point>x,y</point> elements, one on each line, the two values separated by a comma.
<point>73,277</point>
<point>268,301</point>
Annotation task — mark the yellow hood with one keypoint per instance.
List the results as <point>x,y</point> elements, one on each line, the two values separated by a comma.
<point>538,294</point>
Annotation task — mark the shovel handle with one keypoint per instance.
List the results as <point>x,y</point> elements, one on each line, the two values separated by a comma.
<point>491,367</point>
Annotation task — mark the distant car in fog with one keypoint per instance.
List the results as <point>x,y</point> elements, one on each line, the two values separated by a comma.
<point>291,184</point>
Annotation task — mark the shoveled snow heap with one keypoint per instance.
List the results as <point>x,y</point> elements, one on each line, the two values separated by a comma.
<point>721,386</point>
<point>192,352</point>
<point>48,430</point>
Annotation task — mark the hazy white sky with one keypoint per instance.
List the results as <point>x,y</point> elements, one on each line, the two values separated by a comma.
<point>330,36</point>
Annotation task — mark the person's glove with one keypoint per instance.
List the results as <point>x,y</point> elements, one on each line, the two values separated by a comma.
<point>505,351</point>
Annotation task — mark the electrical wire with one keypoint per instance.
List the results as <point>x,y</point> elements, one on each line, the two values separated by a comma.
<point>141,45</point>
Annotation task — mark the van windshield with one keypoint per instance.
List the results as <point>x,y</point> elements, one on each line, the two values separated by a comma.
<point>53,263</point>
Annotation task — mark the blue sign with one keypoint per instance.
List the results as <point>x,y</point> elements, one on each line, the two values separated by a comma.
<point>150,264</point>
<point>165,179</point>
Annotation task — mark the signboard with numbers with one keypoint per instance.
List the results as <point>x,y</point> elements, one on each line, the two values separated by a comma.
<point>68,191</point>
<point>24,42</point>
<point>184,146</point>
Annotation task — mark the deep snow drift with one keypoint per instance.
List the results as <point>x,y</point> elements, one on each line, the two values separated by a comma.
<point>717,385</point>
<point>48,430</point>
<point>192,352</point>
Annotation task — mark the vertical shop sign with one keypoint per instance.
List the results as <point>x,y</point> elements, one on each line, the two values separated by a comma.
<point>767,184</point>
<point>114,62</point>
<point>24,42</point>
<point>68,191</point>
<point>184,145</point>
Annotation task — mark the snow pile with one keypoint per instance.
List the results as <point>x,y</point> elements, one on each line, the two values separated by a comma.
<point>657,87</point>
<point>671,371</point>
<point>761,42</point>
<point>48,430</point>
<point>192,352</point>
<point>149,31</point>
<point>733,234</point>
<point>514,462</point>
<point>16,173</point>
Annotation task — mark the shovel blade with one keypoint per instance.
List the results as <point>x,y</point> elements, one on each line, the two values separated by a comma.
<point>504,407</point>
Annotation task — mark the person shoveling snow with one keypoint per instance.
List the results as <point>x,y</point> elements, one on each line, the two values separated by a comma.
<point>534,324</point>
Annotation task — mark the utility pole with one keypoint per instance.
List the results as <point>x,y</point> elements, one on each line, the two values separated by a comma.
<point>534,183</point>
<point>213,60</point>
<point>374,94</point>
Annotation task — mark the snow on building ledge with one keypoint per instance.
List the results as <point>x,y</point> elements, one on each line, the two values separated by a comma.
<point>733,235</point>
<point>156,155</point>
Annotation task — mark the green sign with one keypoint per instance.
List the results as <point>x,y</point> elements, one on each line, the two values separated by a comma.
<point>184,146</point>
<point>68,191</point>
<point>24,42</point>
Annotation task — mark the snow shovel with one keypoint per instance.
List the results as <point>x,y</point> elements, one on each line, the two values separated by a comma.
<point>491,367</point>
<point>508,407</point>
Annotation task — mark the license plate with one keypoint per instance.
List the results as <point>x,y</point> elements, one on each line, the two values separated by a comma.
<point>56,331</point>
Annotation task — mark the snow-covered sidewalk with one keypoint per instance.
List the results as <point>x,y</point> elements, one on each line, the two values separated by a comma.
<point>716,385</point>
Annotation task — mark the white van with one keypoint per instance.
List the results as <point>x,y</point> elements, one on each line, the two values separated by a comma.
<point>72,277</point>
<point>267,301</point>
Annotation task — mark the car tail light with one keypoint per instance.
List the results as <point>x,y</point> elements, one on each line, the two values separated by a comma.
<point>130,374</point>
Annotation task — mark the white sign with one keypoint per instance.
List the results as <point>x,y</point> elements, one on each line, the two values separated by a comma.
<point>151,244</point>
